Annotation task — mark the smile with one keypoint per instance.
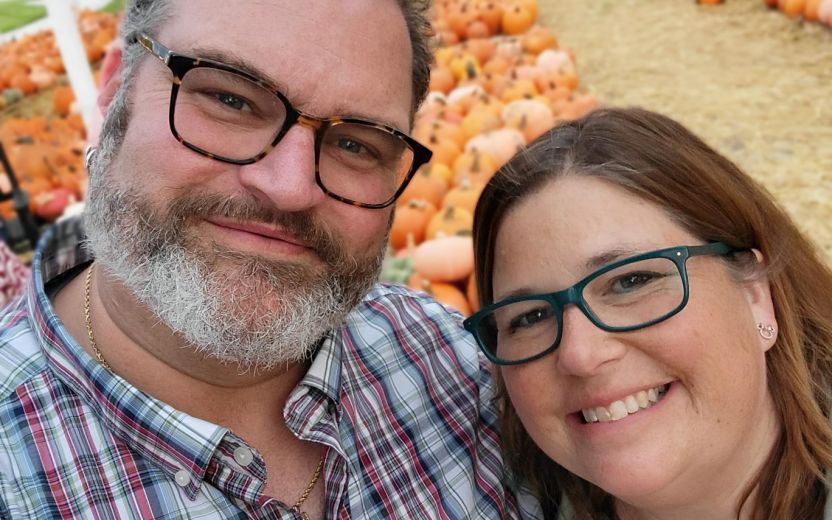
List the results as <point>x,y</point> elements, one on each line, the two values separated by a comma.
<point>625,407</point>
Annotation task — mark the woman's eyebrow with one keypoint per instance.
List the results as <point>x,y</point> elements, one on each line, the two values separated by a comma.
<point>611,255</point>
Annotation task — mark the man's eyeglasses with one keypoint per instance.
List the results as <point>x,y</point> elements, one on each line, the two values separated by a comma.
<point>231,116</point>
<point>626,295</point>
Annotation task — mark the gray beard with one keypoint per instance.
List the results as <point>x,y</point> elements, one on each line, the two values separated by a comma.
<point>238,308</point>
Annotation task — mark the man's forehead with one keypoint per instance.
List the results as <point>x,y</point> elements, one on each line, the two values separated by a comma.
<point>323,60</point>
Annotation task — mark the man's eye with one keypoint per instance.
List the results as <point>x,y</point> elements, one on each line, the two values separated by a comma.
<point>232,101</point>
<point>351,146</point>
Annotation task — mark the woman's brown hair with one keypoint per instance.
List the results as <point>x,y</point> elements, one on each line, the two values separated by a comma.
<point>661,161</point>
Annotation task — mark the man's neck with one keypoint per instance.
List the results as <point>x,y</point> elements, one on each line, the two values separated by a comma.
<point>157,361</point>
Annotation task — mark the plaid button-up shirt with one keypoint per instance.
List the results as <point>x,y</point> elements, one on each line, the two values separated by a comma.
<point>399,394</point>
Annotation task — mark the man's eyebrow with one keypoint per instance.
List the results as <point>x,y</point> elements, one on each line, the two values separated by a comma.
<point>238,62</point>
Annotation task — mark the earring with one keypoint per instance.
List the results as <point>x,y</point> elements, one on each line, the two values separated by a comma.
<point>766,331</point>
<point>88,154</point>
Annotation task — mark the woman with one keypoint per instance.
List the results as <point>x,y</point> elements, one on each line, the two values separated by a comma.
<point>663,331</point>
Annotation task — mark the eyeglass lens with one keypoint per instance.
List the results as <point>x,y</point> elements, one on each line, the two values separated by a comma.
<point>230,116</point>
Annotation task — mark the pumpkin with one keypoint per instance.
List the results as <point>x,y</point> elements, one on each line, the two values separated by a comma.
<point>447,294</point>
<point>518,89</point>
<point>441,80</point>
<point>449,221</point>
<point>464,67</point>
<point>425,186</point>
<point>444,150</point>
<point>517,20</point>
<point>466,95</point>
<point>477,29</point>
<point>810,12</point>
<point>480,48</point>
<point>62,99</point>
<point>538,39</point>
<point>792,7</point>
<point>530,116</point>
<point>552,60</point>
<point>446,259</point>
<point>410,222</point>
<point>474,165</point>
<point>464,195</point>
<point>500,144</point>
<point>479,120</point>
<point>491,13</point>
<point>825,12</point>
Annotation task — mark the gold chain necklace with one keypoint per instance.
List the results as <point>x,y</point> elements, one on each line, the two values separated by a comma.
<point>100,357</point>
<point>88,319</point>
<point>306,492</point>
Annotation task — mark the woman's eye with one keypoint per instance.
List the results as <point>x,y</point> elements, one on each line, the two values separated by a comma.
<point>530,318</point>
<point>633,281</point>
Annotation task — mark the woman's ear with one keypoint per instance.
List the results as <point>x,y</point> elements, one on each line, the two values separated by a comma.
<point>757,292</point>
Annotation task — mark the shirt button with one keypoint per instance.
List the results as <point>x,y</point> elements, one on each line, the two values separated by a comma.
<point>243,456</point>
<point>182,478</point>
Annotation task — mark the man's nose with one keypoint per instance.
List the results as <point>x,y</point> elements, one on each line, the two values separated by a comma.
<point>285,177</point>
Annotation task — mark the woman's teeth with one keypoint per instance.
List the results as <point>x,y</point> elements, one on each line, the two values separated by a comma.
<point>627,406</point>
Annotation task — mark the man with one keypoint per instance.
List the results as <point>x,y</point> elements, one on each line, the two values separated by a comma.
<point>216,359</point>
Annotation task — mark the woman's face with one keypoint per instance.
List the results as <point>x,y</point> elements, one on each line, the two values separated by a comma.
<point>713,424</point>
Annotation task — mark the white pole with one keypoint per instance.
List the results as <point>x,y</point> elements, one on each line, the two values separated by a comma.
<point>63,16</point>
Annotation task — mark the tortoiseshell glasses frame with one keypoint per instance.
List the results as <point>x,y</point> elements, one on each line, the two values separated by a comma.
<point>389,188</point>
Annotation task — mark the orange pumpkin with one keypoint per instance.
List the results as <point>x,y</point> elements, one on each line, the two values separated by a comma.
<point>446,259</point>
<point>411,220</point>
<point>447,294</point>
<point>424,186</point>
<point>449,221</point>
<point>538,39</point>
<point>445,151</point>
<point>517,20</point>
<point>810,12</point>
<point>792,7</point>
<point>492,14</point>
<point>474,165</point>
<point>477,29</point>
<point>62,99</point>
<point>441,80</point>
<point>464,195</point>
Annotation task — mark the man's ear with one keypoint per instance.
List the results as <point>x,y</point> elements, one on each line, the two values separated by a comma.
<point>758,294</point>
<point>110,78</point>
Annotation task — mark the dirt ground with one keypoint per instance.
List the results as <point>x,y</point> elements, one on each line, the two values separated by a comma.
<point>752,82</point>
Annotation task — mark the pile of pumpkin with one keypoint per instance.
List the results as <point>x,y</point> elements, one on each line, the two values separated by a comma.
<point>809,10</point>
<point>47,158</point>
<point>33,62</point>
<point>499,81</point>
<point>46,153</point>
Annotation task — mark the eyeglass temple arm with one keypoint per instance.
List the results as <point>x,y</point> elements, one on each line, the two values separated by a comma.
<point>155,48</point>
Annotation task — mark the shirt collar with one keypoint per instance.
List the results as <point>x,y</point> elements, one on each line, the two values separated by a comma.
<point>168,438</point>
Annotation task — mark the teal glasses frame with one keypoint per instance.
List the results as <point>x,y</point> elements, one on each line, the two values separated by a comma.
<point>574,296</point>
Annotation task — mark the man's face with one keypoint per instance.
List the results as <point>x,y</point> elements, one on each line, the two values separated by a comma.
<point>252,264</point>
